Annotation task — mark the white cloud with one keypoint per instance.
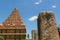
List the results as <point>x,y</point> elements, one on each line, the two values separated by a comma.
<point>54,6</point>
<point>38,2</point>
<point>33,18</point>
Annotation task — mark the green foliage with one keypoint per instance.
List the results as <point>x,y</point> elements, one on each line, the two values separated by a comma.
<point>1,38</point>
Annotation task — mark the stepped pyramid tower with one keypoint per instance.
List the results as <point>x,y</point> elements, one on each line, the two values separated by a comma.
<point>13,28</point>
<point>47,29</point>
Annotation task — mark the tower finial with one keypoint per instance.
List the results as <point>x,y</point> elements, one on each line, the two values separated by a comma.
<point>16,8</point>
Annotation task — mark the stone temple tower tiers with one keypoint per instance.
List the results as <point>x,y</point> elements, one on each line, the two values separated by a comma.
<point>13,28</point>
<point>47,29</point>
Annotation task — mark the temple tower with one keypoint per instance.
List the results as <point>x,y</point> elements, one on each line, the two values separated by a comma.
<point>47,29</point>
<point>13,28</point>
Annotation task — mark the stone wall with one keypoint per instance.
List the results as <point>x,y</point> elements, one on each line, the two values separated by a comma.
<point>47,29</point>
<point>34,35</point>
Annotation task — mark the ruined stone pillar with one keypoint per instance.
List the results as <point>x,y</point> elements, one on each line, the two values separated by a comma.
<point>47,29</point>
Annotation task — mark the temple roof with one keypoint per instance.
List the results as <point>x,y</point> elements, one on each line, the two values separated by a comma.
<point>13,21</point>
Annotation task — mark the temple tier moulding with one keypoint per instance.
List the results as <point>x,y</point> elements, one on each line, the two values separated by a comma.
<point>13,28</point>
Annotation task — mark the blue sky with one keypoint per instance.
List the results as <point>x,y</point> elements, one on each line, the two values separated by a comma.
<point>29,10</point>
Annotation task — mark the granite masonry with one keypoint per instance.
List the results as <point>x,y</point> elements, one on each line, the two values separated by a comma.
<point>13,28</point>
<point>47,29</point>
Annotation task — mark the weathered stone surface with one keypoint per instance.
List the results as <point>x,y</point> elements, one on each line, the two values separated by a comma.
<point>34,35</point>
<point>47,29</point>
<point>59,32</point>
